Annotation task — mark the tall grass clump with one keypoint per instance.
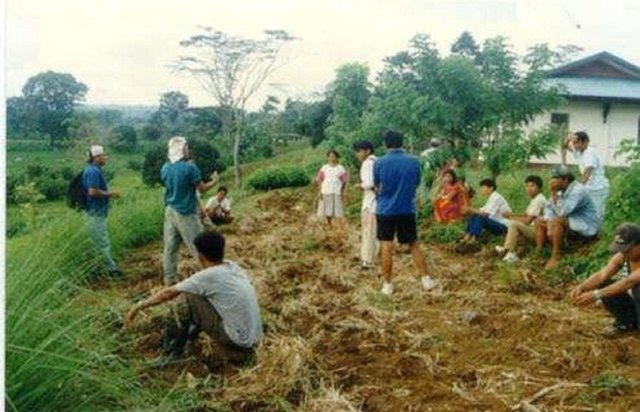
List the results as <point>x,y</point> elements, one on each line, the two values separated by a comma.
<point>59,356</point>
<point>278,177</point>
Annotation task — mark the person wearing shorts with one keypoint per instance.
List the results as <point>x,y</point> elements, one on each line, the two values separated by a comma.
<point>396,176</point>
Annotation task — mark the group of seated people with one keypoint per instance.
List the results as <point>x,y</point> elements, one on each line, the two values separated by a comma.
<point>570,212</point>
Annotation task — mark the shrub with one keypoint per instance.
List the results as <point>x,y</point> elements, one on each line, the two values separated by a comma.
<point>124,139</point>
<point>37,170</point>
<point>206,157</point>
<point>277,177</point>
<point>52,187</point>
<point>135,165</point>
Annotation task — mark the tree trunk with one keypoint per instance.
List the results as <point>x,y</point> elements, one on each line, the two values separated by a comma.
<point>236,157</point>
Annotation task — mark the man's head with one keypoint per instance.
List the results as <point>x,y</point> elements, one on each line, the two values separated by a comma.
<point>222,192</point>
<point>177,149</point>
<point>363,149</point>
<point>210,247</point>
<point>626,240</point>
<point>561,178</point>
<point>533,185</point>
<point>580,141</point>
<point>487,186</point>
<point>97,155</point>
<point>393,139</point>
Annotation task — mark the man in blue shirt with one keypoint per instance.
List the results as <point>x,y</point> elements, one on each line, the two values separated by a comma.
<point>396,177</point>
<point>570,213</point>
<point>98,195</point>
<point>181,179</point>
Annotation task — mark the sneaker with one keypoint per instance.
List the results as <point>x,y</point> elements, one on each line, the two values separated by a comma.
<point>366,266</point>
<point>387,288</point>
<point>511,258</point>
<point>428,283</point>
<point>500,250</point>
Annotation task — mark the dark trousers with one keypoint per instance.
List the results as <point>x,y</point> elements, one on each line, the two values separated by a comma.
<point>201,316</point>
<point>625,308</point>
<point>476,223</point>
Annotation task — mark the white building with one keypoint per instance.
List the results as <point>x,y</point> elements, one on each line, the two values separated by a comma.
<point>603,99</point>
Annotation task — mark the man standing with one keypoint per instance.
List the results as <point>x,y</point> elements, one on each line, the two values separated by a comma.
<point>369,247</point>
<point>181,179</point>
<point>221,302</point>
<point>591,170</point>
<point>570,212</point>
<point>97,193</point>
<point>396,177</point>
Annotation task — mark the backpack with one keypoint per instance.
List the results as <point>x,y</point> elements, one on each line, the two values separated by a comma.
<point>76,196</point>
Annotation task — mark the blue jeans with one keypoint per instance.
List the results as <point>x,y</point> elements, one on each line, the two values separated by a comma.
<point>97,228</point>
<point>476,223</point>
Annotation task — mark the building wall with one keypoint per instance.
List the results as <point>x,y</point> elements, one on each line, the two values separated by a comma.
<point>622,123</point>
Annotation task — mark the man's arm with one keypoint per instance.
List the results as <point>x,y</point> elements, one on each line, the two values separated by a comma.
<point>597,278</point>
<point>586,175</point>
<point>162,296</point>
<point>367,176</point>
<point>617,288</point>
<point>93,192</point>
<point>204,186</point>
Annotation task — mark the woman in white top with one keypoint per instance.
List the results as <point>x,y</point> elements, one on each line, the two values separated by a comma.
<point>592,173</point>
<point>332,181</point>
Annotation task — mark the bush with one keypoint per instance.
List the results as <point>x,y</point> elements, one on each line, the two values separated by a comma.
<point>124,139</point>
<point>53,188</point>
<point>135,165</point>
<point>28,146</point>
<point>206,157</point>
<point>277,177</point>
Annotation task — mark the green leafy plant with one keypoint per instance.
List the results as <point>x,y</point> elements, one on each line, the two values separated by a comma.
<point>277,177</point>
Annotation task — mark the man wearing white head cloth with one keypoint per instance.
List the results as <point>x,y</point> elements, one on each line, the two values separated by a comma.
<point>181,179</point>
<point>98,195</point>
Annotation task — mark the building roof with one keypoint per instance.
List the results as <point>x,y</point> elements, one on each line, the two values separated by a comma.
<point>598,88</point>
<point>601,76</point>
<point>618,67</point>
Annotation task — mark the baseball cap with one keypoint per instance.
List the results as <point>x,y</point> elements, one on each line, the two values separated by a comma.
<point>96,150</point>
<point>626,236</point>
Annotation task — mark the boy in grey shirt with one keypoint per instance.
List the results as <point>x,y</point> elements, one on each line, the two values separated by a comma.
<point>221,300</point>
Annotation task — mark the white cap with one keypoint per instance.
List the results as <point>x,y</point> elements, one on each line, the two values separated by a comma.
<point>96,150</point>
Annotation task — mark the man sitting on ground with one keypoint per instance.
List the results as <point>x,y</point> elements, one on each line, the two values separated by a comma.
<point>489,217</point>
<point>570,212</point>
<point>221,301</point>
<point>521,228</point>
<point>218,208</point>
<point>622,297</point>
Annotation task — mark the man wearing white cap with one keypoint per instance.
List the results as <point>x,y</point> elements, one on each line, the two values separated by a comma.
<point>98,195</point>
<point>181,179</point>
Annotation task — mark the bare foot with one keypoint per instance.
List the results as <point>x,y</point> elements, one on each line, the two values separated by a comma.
<point>551,264</point>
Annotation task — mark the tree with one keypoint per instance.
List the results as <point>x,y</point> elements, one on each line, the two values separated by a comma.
<point>151,132</point>
<point>50,99</point>
<point>465,46</point>
<point>349,94</point>
<point>124,138</point>
<point>20,124</point>
<point>232,69</point>
<point>172,105</point>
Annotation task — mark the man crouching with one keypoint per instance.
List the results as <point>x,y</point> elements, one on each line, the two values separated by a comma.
<point>221,302</point>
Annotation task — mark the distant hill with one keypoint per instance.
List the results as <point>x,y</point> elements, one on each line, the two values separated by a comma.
<point>128,111</point>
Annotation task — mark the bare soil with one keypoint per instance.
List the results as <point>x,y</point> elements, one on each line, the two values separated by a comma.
<point>492,339</point>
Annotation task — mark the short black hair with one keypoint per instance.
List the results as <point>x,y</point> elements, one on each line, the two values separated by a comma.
<point>582,136</point>
<point>536,180</point>
<point>211,245</point>
<point>363,145</point>
<point>488,182</point>
<point>393,139</point>
<point>335,152</point>
<point>223,189</point>
<point>452,173</point>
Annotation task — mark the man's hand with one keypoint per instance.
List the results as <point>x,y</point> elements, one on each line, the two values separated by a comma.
<point>574,293</point>
<point>584,299</point>
<point>114,194</point>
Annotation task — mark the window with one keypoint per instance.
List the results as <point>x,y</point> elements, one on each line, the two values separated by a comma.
<point>560,119</point>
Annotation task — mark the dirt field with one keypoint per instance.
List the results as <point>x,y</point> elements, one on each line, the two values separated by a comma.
<point>493,339</point>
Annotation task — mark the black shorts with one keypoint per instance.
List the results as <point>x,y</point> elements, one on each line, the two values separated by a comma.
<point>402,226</point>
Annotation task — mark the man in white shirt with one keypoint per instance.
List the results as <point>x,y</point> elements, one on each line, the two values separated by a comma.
<point>489,217</point>
<point>369,247</point>
<point>218,208</point>
<point>521,229</point>
<point>592,173</point>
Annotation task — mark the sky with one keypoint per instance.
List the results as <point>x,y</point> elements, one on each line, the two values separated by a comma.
<point>121,49</point>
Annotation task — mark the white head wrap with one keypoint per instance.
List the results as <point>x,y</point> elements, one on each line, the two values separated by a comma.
<point>96,150</point>
<point>177,147</point>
